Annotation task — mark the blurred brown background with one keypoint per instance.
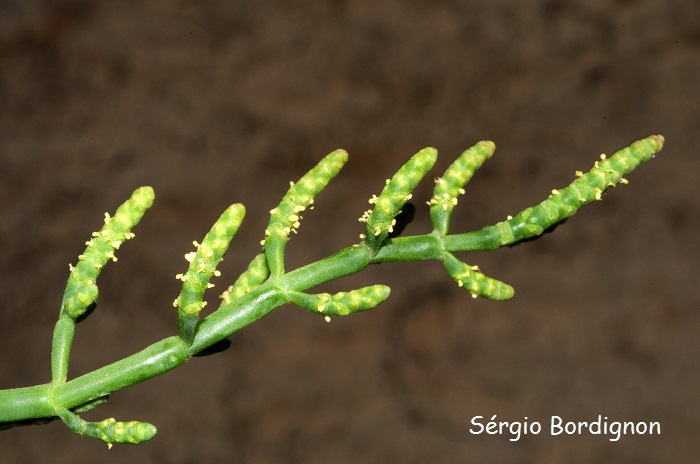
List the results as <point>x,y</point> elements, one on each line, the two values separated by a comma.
<point>216,102</point>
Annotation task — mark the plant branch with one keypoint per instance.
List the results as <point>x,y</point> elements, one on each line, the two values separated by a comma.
<point>265,285</point>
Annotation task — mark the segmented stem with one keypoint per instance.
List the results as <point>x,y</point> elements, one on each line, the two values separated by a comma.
<point>380,220</point>
<point>476,283</point>
<point>81,288</point>
<point>203,263</point>
<point>109,430</point>
<point>342,303</point>
<point>452,183</point>
<point>256,273</point>
<point>285,218</point>
<point>561,204</point>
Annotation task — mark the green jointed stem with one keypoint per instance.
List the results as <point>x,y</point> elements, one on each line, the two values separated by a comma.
<point>475,282</point>
<point>562,204</point>
<point>380,221</point>
<point>81,289</point>
<point>284,219</point>
<point>100,250</point>
<point>60,349</point>
<point>202,267</point>
<point>452,183</point>
<point>256,292</point>
<point>256,273</point>
<point>342,303</point>
<point>109,430</point>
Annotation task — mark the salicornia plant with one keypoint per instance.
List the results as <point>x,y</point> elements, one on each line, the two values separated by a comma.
<point>266,285</point>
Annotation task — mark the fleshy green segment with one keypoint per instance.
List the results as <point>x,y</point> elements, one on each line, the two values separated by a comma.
<point>452,183</point>
<point>342,303</point>
<point>254,276</point>
<point>380,221</point>
<point>203,263</point>
<point>476,283</point>
<point>285,218</point>
<point>81,289</point>
<point>562,204</point>
<point>109,430</point>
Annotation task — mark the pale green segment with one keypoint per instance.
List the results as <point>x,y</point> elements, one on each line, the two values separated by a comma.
<point>395,195</point>
<point>132,432</point>
<point>81,291</point>
<point>79,302</point>
<point>285,218</point>
<point>109,430</point>
<point>207,257</point>
<point>475,282</point>
<point>588,187</point>
<point>256,273</point>
<point>342,303</point>
<point>451,184</point>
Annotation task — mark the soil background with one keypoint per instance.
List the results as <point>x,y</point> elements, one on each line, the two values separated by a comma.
<point>217,102</point>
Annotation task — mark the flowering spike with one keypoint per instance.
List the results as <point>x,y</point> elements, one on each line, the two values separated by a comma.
<point>203,266</point>
<point>394,196</point>
<point>284,219</point>
<point>475,282</point>
<point>342,303</point>
<point>256,273</point>
<point>451,184</point>
<point>81,290</point>
<point>76,305</point>
<point>586,188</point>
<point>109,430</point>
